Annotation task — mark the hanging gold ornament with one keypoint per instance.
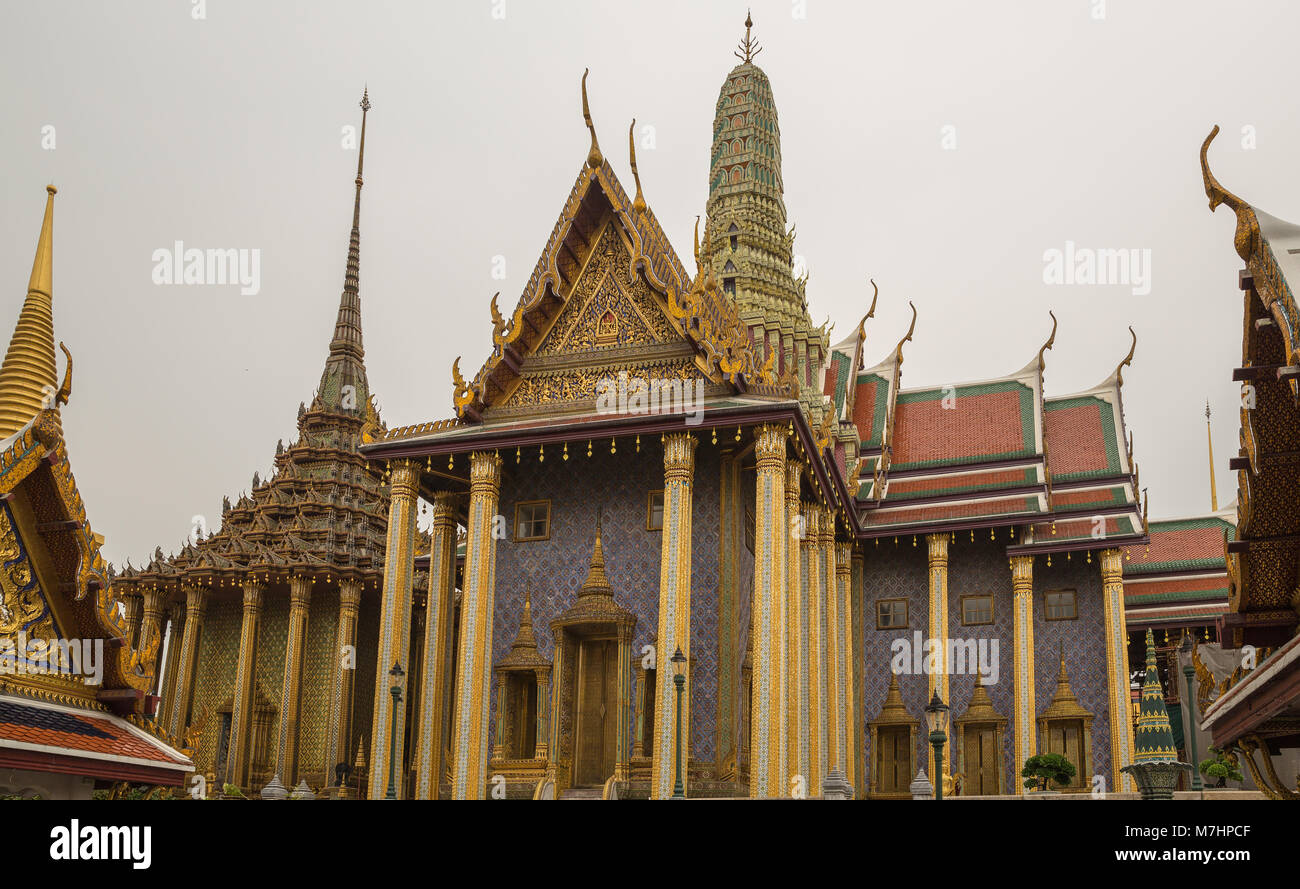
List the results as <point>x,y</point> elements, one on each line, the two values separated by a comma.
<point>589,447</point>
<point>715,435</point>
<point>612,448</point>
<point>737,433</point>
<point>638,442</point>
<point>565,455</point>
<point>519,454</point>
<point>541,452</point>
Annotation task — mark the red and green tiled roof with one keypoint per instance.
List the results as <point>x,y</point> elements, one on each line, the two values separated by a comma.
<point>1083,529</point>
<point>1186,545</point>
<point>1082,441</point>
<point>980,423</point>
<point>961,483</point>
<point>947,512</point>
<point>839,367</point>
<point>1090,498</point>
<point>78,733</point>
<point>870,406</point>
<point>1207,587</point>
<point>1200,613</point>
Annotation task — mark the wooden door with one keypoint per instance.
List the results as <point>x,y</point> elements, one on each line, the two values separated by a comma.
<point>597,707</point>
<point>1066,738</point>
<point>981,763</point>
<point>893,760</point>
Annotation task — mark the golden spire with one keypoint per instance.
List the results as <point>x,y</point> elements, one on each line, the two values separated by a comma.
<point>594,157</point>
<point>347,329</point>
<point>638,203</point>
<point>748,47</point>
<point>1209,440</point>
<point>596,584</point>
<point>27,377</point>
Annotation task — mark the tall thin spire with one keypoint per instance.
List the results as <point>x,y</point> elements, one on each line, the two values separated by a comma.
<point>343,384</point>
<point>27,377</point>
<point>748,47</point>
<point>1209,440</point>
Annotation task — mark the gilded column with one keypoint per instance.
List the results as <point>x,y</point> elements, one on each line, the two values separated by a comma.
<point>134,606</point>
<point>938,606</point>
<point>1117,670</point>
<point>623,744</point>
<point>638,731</point>
<point>196,600</point>
<point>431,744</point>
<point>286,749</point>
<point>241,719</point>
<point>731,542</point>
<point>766,732</point>
<point>674,614</point>
<point>394,630</point>
<point>167,687</point>
<point>499,734</point>
<point>474,647</point>
<point>814,608</point>
<point>796,658</point>
<point>844,675</point>
<point>1022,618</point>
<point>857,596</point>
<point>542,747</point>
<point>829,712</point>
<point>151,625</point>
<point>338,739</point>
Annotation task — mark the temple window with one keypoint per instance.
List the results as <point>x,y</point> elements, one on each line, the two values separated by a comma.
<point>654,511</point>
<point>891,614</point>
<point>735,236</point>
<point>1060,605</point>
<point>521,715</point>
<point>729,286</point>
<point>533,520</point>
<point>893,759</point>
<point>976,610</point>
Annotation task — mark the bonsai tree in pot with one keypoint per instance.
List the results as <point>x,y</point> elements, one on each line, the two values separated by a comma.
<point>1221,767</point>
<point>1043,768</point>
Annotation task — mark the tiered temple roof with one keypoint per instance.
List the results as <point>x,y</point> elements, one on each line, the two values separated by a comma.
<point>1182,579</point>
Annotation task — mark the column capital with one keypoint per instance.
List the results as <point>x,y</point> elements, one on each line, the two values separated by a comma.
<point>679,455</point>
<point>444,506</point>
<point>1112,564</point>
<point>300,592</point>
<point>812,516</point>
<point>938,544</point>
<point>484,472</point>
<point>1022,572</point>
<point>793,477</point>
<point>826,527</point>
<point>154,599</point>
<point>196,598</point>
<point>253,591</point>
<point>769,446</point>
<point>349,593</point>
<point>843,553</point>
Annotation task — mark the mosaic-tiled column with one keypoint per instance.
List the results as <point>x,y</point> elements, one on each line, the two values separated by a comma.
<point>938,607</point>
<point>674,615</point>
<point>796,659</point>
<point>196,600</point>
<point>623,743</point>
<point>151,624</point>
<point>338,738</point>
<point>469,734</point>
<point>176,619</point>
<point>541,749</point>
<point>394,630</point>
<point>286,748</point>
<point>857,596</point>
<point>1022,620</point>
<point>830,756</point>
<point>638,733</point>
<point>814,608</point>
<point>241,719</point>
<point>1117,670</point>
<point>766,768</point>
<point>843,673</point>
<point>431,744</point>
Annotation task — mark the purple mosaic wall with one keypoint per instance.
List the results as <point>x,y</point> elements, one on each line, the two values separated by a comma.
<point>556,568</point>
<point>977,568</point>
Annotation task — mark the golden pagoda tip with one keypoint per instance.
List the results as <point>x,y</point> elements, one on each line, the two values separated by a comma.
<point>51,190</point>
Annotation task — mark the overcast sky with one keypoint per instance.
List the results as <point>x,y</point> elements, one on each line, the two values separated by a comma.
<point>227,132</point>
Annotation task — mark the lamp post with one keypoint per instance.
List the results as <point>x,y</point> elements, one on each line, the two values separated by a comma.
<point>1188,672</point>
<point>936,717</point>
<point>678,661</point>
<point>396,673</point>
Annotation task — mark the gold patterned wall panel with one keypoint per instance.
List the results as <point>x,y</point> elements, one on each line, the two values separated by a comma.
<point>363,696</point>
<point>318,665</point>
<point>215,681</point>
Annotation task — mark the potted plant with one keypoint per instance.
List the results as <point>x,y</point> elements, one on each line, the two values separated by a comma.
<point>1221,767</point>
<point>1042,769</point>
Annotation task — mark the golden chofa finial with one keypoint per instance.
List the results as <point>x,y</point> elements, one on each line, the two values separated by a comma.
<point>1246,239</point>
<point>638,203</point>
<point>748,47</point>
<point>1051,339</point>
<point>594,157</point>
<point>898,350</point>
<point>1128,360</point>
<point>871,312</point>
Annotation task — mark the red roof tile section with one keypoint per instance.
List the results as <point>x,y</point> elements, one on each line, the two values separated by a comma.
<point>1075,442</point>
<point>984,424</point>
<point>79,733</point>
